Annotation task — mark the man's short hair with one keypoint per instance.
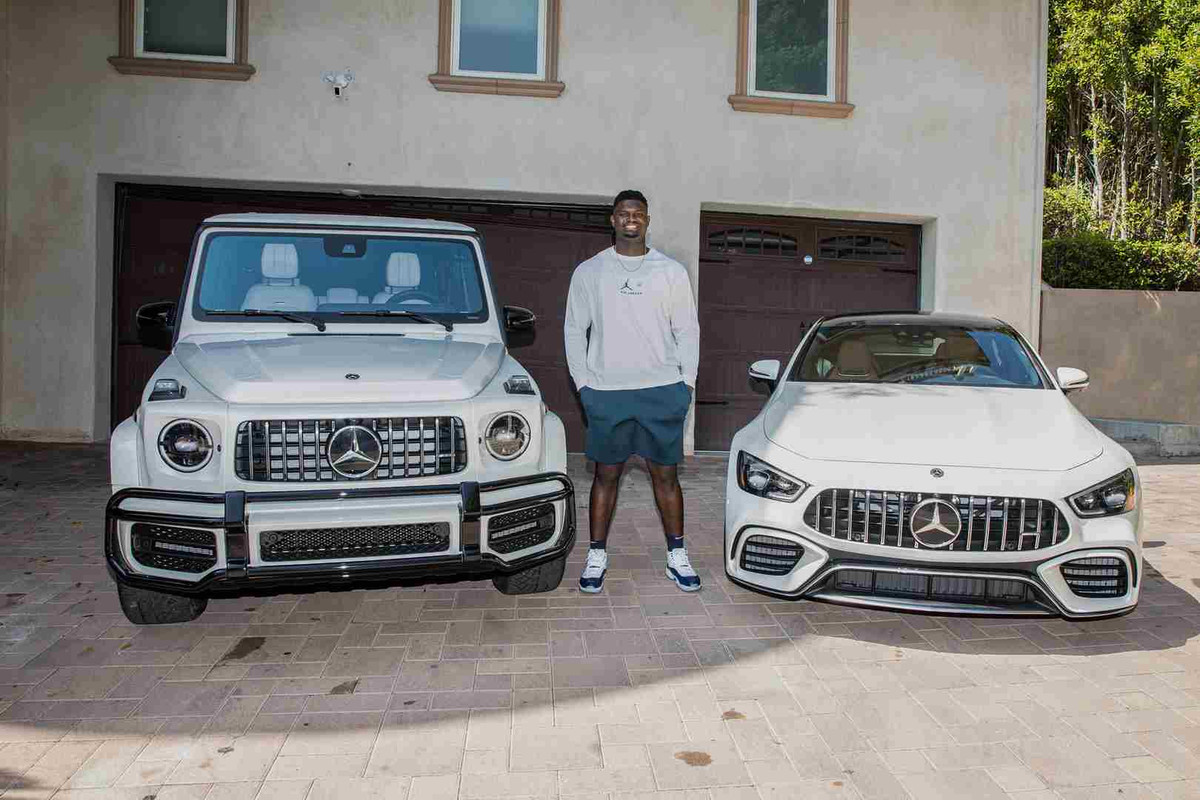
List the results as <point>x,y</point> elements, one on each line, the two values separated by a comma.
<point>630,194</point>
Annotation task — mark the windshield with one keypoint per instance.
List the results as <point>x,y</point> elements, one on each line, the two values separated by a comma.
<point>941,355</point>
<point>337,276</point>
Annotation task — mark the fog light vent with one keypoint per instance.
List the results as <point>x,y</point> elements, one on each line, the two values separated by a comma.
<point>508,533</point>
<point>174,549</point>
<point>770,555</point>
<point>1099,576</point>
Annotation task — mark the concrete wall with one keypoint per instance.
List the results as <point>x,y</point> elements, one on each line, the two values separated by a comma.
<point>946,133</point>
<point>1141,349</point>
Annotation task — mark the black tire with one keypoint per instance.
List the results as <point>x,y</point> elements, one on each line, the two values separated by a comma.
<point>146,607</point>
<point>544,577</point>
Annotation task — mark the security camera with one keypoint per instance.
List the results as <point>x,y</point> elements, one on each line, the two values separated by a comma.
<point>341,82</point>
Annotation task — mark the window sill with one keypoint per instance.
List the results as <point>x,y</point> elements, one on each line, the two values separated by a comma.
<point>171,68</point>
<point>522,88</point>
<point>794,108</point>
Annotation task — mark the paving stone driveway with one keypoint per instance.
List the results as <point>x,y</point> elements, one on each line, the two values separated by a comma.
<point>456,691</point>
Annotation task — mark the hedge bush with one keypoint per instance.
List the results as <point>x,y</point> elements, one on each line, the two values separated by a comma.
<point>1093,261</point>
<point>1067,211</point>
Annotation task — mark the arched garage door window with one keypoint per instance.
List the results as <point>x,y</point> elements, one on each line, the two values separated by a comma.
<point>753,242</point>
<point>861,247</point>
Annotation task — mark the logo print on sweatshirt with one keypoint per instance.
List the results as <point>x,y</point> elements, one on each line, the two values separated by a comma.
<point>631,286</point>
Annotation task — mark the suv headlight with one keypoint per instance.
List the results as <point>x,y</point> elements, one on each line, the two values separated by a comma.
<point>185,445</point>
<point>1116,495</point>
<point>507,436</point>
<point>759,478</point>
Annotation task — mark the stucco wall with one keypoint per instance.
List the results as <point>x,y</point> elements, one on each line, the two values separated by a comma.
<point>1140,349</point>
<point>946,133</point>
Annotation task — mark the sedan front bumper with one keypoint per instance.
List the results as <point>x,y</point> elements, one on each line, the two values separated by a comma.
<point>237,519</point>
<point>1030,584</point>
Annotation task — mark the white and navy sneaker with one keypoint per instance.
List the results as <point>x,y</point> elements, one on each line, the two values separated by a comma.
<point>679,569</point>
<point>592,579</point>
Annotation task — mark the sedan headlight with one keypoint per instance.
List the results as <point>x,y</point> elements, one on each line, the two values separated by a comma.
<point>185,445</point>
<point>759,478</point>
<point>507,436</point>
<point>1116,495</point>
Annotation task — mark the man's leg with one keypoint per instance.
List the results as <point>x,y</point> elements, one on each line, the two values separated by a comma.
<point>605,485</point>
<point>669,496</point>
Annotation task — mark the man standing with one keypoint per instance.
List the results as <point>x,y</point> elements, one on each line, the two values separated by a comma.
<point>635,376</point>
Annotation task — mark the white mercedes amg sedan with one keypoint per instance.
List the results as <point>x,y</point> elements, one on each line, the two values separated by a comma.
<point>930,462</point>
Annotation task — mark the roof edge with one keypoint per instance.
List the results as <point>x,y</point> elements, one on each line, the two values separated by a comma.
<point>338,221</point>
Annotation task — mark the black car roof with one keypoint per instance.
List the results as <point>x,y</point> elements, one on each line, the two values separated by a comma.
<point>916,318</point>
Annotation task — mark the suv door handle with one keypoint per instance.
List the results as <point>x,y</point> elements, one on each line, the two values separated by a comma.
<point>712,402</point>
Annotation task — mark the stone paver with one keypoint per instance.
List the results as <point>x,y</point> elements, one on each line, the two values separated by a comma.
<point>454,691</point>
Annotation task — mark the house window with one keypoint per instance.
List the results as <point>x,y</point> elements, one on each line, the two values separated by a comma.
<point>500,38</point>
<point>499,47</point>
<point>792,57</point>
<point>193,39</point>
<point>199,30</point>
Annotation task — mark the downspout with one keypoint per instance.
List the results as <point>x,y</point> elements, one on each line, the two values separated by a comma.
<point>5,48</point>
<point>1039,172</point>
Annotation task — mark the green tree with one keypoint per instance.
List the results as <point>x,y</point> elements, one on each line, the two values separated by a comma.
<point>1123,113</point>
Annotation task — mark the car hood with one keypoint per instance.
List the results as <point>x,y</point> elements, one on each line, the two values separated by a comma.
<point>314,368</point>
<point>932,425</point>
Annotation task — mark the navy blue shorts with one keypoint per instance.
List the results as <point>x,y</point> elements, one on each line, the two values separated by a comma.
<point>644,422</point>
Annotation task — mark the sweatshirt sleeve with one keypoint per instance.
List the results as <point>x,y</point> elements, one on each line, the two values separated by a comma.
<point>575,327</point>
<point>685,326</point>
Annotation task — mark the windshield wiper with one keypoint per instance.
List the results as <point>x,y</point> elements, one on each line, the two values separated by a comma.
<point>910,375</point>
<point>389,312</point>
<point>257,312</point>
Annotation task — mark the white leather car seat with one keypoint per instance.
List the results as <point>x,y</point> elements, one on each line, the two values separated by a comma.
<point>403,274</point>
<point>961,350</point>
<point>280,289</point>
<point>342,295</point>
<point>854,360</point>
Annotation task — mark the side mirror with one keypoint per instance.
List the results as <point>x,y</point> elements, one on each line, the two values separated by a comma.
<point>156,324</point>
<point>766,370</point>
<point>1071,379</point>
<point>517,319</point>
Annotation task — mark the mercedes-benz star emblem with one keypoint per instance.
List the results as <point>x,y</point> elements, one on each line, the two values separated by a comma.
<point>352,376</point>
<point>354,451</point>
<point>937,473</point>
<point>935,523</point>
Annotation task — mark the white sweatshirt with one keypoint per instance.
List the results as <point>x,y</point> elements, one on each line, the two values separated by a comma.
<point>643,321</point>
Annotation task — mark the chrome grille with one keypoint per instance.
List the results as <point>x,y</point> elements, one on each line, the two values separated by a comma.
<point>378,540</point>
<point>295,449</point>
<point>989,524</point>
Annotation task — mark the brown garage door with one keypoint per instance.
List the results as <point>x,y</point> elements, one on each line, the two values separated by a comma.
<point>764,280</point>
<point>531,251</point>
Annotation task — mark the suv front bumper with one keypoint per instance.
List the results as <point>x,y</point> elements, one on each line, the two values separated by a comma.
<point>239,570</point>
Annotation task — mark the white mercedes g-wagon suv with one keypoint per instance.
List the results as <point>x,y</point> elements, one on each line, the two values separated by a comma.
<point>339,407</point>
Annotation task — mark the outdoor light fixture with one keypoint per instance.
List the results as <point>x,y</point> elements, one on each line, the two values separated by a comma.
<point>341,81</point>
